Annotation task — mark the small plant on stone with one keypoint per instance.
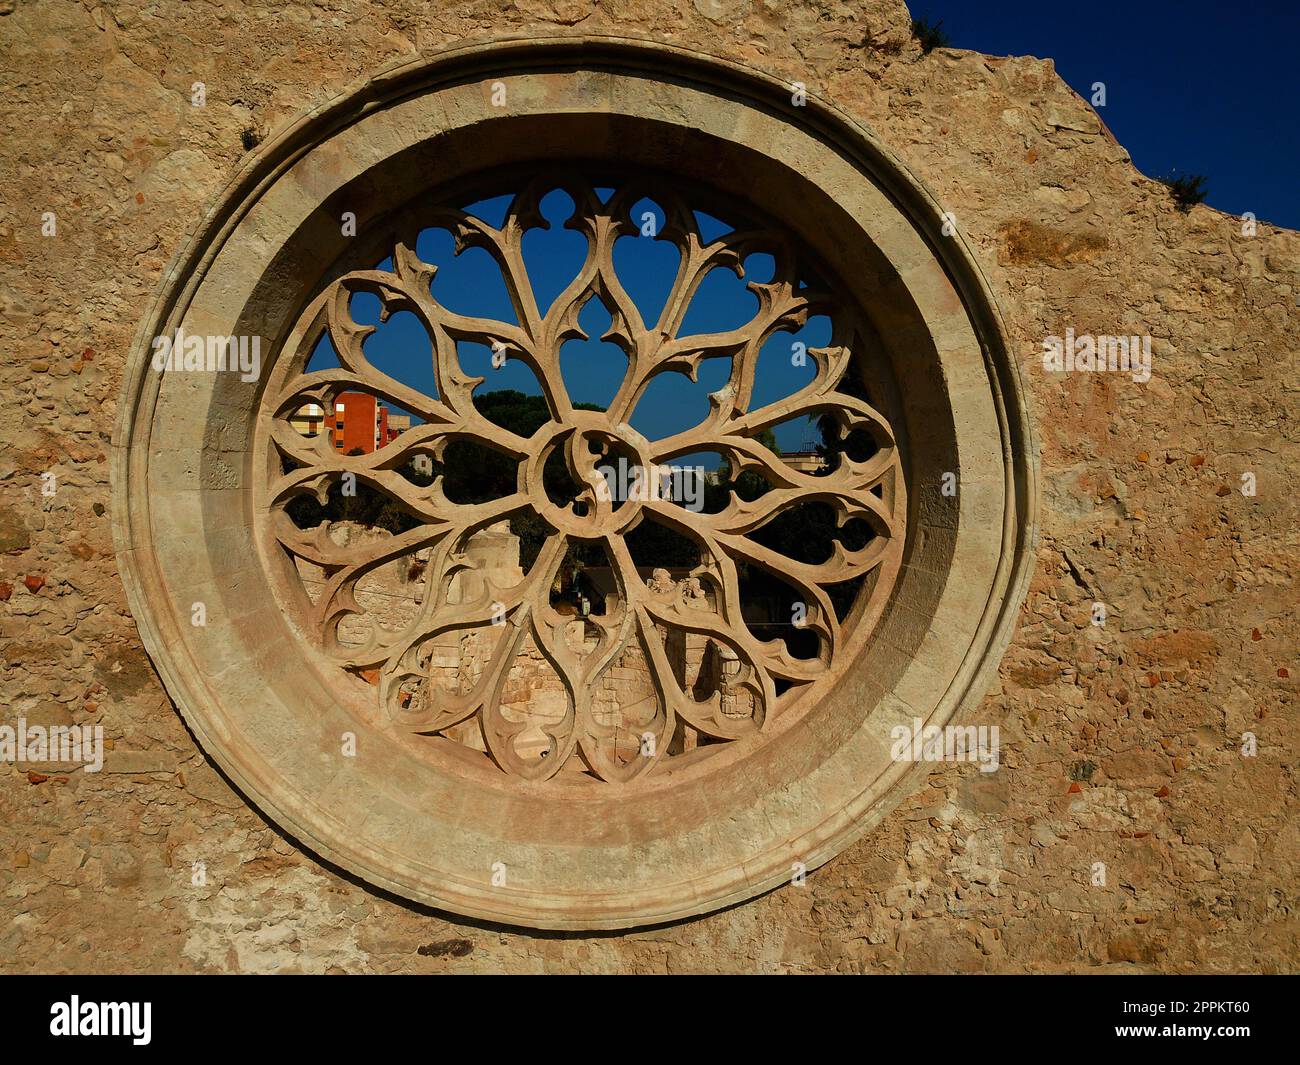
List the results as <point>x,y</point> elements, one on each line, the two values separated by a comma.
<point>1187,190</point>
<point>930,35</point>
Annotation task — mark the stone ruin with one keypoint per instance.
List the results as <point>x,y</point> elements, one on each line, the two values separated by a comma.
<point>534,692</point>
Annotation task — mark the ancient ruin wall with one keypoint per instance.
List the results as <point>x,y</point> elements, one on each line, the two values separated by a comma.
<point>1121,743</point>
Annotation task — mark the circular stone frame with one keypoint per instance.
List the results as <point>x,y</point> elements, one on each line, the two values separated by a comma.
<point>184,521</point>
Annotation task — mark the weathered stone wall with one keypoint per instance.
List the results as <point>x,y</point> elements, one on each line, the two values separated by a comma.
<point>1121,743</point>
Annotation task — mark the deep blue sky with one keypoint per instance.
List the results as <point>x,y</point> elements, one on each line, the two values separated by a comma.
<point>1199,87</point>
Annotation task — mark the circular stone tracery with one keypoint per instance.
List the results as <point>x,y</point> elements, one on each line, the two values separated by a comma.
<point>191,474</point>
<point>667,671</point>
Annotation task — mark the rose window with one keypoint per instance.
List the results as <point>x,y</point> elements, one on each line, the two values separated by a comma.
<point>633,450</point>
<point>612,611</point>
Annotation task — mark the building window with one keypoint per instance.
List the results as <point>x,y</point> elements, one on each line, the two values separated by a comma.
<point>458,666</point>
<point>715,625</point>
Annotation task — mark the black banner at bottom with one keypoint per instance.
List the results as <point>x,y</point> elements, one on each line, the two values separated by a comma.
<point>228,1014</point>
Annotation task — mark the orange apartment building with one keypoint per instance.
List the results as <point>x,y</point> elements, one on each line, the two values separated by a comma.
<point>360,423</point>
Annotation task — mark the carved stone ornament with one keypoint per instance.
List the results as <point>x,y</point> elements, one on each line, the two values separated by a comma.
<point>418,706</point>
<point>644,612</point>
